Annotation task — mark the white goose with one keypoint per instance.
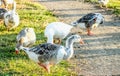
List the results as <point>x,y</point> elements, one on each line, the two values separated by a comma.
<point>47,53</point>
<point>89,21</point>
<point>103,3</point>
<point>25,38</point>
<point>11,18</point>
<point>57,30</point>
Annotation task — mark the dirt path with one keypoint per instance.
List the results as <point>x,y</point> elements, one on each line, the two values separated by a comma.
<point>101,53</point>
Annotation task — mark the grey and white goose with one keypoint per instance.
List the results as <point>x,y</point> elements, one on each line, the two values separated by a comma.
<point>26,38</point>
<point>11,18</point>
<point>89,21</point>
<point>4,10</point>
<point>50,54</point>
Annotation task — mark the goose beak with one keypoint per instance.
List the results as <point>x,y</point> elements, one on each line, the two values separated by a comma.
<point>16,51</point>
<point>81,41</point>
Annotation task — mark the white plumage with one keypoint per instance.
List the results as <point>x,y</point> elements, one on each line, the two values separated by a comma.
<point>25,38</point>
<point>103,3</point>
<point>57,30</point>
<point>11,18</point>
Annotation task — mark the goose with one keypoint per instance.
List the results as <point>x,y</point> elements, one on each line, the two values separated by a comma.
<point>103,3</point>
<point>89,21</point>
<point>11,18</point>
<point>57,30</point>
<point>26,38</point>
<point>47,54</point>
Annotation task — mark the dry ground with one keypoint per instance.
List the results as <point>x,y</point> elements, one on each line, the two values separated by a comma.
<point>100,55</point>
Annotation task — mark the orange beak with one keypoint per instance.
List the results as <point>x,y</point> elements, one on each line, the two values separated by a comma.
<point>81,41</point>
<point>16,51</point>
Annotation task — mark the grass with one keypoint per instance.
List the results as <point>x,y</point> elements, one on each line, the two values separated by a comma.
<point>31,15</point>
<point>114,4</point>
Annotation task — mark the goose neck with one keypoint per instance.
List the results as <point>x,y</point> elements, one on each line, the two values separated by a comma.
<point>69,43</point>
<point>69,46</point>
<point>69,49</point>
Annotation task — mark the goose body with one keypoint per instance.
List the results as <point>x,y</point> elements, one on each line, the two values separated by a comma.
<point>89,21</point>
<point>11,18</point>
<point>25,38</point>
<point>48,53</point>
<point>56,30</point>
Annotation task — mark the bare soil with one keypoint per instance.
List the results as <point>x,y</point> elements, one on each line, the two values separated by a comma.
<point>100,55</point>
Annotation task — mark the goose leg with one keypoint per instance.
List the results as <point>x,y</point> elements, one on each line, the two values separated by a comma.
<point>45,66</point>
<point>89,32</point>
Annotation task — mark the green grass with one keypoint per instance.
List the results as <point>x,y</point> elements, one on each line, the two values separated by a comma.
<point>114,4</point>
<point>31,15</point>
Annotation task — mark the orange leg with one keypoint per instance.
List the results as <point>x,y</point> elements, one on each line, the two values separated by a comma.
<point>89,32</point>
<point>45,66</point>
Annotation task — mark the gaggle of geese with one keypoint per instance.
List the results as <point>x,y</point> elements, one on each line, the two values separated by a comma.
<point>49,53</point>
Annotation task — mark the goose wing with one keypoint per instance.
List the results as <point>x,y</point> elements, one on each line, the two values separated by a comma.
<point>87,18</point>
<point>46,51</point>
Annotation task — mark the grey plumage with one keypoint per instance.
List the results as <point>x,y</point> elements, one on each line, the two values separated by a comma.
<point>46,51</point>
<point>90,19</point>
<point>2,12</point>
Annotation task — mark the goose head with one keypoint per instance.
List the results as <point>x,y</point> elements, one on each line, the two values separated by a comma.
<point>99,18</point>
<point>69,45</point>
<point>25,38</point>
<point>17,49</point>
<point>75,38</point>
<point>18,46</point>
